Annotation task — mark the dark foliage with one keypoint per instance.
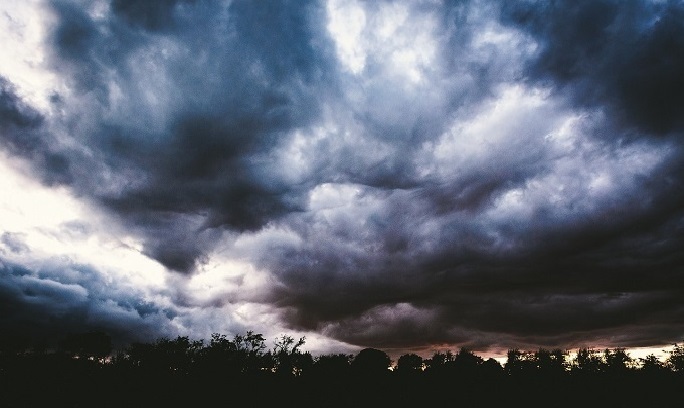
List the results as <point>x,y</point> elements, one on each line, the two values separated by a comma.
<point>83,372</point>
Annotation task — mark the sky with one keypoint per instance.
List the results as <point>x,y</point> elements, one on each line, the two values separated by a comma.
<point>405,175</point>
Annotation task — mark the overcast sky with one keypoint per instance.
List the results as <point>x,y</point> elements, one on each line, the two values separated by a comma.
<point>406,175</point>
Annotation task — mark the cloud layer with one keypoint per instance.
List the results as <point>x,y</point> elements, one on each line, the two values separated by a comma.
<point>391,174</point>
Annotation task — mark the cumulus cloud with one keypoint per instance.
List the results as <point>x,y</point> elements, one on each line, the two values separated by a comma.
<point>393,173</point>
<point>610,55</point>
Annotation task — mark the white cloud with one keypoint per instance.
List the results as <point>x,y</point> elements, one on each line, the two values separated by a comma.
<point>23,25</point>
<point>49,220</point>
<point>347,20</point>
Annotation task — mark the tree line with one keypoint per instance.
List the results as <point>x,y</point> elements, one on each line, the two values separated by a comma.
<point>172,372</point>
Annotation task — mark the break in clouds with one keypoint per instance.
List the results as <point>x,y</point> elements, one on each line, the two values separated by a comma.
<point>397,174</point>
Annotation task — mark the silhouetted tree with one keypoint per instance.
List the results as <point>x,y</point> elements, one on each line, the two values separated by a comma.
<point>409,363</point>
<point>520,362</point>
<point>617,360</point>
<point>175,355</point>
<point>330,365</point>
<point>651,364</point>
<point>371,361</point>
<point>492,368</point>
<point>439,362</point>
<point>251,348</point>
<point>588,361</point>
<point>466,361</point>
<point>183,372</point>
<point>220,344</point>
<point>550,362</point>
<point>288,358</point>
<point>675,361</point>
<point>219,357</point>
<point>92,345</point>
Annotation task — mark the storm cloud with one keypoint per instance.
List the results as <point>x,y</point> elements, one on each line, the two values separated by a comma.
<point>609,55</point>
<point>398,174</point>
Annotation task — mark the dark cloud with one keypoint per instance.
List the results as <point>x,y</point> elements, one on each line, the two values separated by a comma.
<point>257,75</point>
<point>18,121</point>
<point>63,298</point>
<point>23,134</point>
<point>152,15</point>
<point>612,55</point>
<point>489,173</point>
<point>411,272</point>
<point>14,114</point>
<point>473,296</point>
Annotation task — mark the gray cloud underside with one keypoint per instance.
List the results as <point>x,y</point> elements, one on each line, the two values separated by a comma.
<point>63,297</point>
<point>199,119</point>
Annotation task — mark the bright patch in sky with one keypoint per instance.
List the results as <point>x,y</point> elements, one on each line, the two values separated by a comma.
<point>52,223</point>
<point>22,31</point>
<point>347,20</point>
